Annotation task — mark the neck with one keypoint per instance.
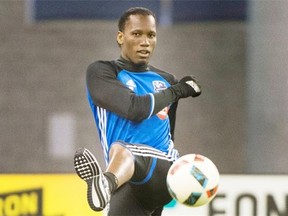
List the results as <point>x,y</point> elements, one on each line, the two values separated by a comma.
<point>128,65</point>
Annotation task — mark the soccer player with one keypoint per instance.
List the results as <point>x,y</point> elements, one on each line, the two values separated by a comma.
<point>134,106</point>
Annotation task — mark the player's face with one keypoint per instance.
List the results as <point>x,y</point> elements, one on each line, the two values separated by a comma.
<point>138,39</point>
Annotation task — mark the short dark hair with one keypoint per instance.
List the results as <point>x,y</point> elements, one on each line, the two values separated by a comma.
<point>133,11</point>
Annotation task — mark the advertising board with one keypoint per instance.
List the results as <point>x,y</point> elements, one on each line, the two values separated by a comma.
<point>65,195</point>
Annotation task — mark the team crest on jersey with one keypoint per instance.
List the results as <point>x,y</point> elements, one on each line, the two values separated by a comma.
<point>131,85</point>
<point>159,85</point>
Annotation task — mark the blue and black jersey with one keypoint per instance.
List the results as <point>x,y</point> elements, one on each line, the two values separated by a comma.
<point>132,103</point>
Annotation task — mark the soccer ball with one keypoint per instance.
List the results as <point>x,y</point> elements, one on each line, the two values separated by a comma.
<point>193,180</point>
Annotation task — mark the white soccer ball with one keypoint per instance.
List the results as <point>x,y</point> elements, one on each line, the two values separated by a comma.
<point>193,180</point>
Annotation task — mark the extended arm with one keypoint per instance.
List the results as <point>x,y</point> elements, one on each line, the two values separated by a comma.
<point>107,92</point>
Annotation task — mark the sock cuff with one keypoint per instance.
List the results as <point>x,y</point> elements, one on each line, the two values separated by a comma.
<point>113,181</point>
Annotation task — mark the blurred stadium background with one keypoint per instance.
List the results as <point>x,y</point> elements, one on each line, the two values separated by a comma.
<point>237,49</point>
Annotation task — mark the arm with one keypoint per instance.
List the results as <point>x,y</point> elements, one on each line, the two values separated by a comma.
<point>107,92</point>
<point>172,118</point>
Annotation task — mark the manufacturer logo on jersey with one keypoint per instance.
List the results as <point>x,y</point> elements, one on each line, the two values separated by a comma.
<point>131,85</point>
<point>159,85</point>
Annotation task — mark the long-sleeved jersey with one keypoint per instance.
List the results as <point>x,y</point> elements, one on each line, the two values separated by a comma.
<point>129,105</point>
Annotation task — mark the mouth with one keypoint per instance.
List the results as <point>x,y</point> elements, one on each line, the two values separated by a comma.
<point>144,53</point>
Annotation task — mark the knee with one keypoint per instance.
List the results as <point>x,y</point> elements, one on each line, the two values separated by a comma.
<point>118,149</point>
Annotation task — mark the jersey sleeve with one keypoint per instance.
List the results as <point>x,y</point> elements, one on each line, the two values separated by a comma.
<point>172,119</point>
<point>108,92</point>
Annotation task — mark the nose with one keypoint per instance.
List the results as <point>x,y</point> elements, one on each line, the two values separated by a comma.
<point>145,41</point>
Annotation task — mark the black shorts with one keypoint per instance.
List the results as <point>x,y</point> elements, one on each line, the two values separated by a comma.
<point>147,190</point>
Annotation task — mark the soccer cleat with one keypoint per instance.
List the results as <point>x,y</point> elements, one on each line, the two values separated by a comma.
<point>88,169</point>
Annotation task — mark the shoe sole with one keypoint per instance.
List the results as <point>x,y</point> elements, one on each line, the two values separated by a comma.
<point>88,169</point>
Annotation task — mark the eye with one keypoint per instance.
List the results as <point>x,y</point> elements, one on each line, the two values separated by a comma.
<point>152,35</point>
<point>136,34</point>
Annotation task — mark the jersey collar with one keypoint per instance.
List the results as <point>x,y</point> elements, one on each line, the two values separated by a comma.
<point>127,65</point>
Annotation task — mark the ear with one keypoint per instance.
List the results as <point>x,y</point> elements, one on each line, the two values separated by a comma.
<point>120,37</point>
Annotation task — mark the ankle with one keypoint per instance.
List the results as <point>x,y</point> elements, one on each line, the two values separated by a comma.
<point>112,181</point>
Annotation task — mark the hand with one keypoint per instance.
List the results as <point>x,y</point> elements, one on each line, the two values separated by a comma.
<point>187,87</point>
<point>193,88</point>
